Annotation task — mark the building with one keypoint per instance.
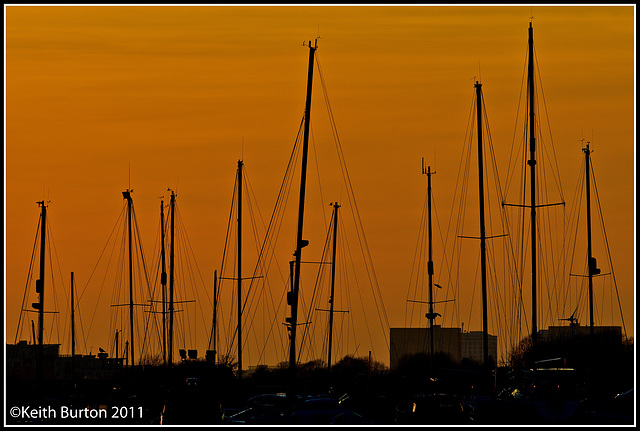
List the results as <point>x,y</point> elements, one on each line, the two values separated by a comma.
<point>472,346</point>
<point>21,361</point>
<point>561,333</point>
<point>456,344</point>
<point>21,364</point>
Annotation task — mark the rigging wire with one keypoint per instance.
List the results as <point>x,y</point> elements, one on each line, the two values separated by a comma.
<point>606,241</point>
<point>93,315</point>
<point>370,270</point>
<point>260,264</point>
<point>312,303</point>
<point>191,268</point>
<point>29,278</point>
<point>142,282</point>
<point>271,234</point>
<point>53,252</point>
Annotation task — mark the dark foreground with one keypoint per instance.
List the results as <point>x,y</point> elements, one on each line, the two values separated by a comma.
<point>197,393</point>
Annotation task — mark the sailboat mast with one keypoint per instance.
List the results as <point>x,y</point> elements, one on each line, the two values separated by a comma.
<point>532,163</point>
<point>40,282</point>
<point>215,315</point>
<point>127,196</point>
<point>172,206</point>
<point>333,281</point>
<point>431,315</point>
<point>299,242</point>
<point>33,333</point>
<point>239,268</point>
<point>73,330</point>
<point>483,238</point>
<point>116,343</point>
<point>163,282</point>
<point>592,269</point>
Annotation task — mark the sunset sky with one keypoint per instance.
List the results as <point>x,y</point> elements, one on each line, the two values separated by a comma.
<point>102,98</point>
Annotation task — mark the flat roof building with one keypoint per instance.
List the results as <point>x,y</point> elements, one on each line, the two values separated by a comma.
<point>456,344</point>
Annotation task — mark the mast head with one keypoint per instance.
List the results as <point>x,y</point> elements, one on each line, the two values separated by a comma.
<point>313,47</point>
<point>428,170</point>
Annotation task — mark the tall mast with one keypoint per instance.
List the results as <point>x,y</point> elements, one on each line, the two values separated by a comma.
<point>116,343</point>
<point>127,196</point>
<point>33,334</point>
<point>73,332</point>
<point>163,282</point>
<point>40,290</point>
<point>333,281</point>
<point>532,163</point>
<point>239,268</point>
<point>172,207</point>
<point>483,247</point>
<point>215,315</point>
<point>293,300</point>
<point>592,266</point>
<point>431,315</point>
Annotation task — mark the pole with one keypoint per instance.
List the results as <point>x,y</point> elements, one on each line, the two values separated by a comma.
<point>483,246</point>
<point>163,282</point>
<point>215,314</point>
<point>172,205</point>
<point>431,315</point>
<point>299,241</point>
<point>116,340</point>
<point>240,269</point>
<point>73,333</point>
<point>592,269</point>
<point>33,333</point>
<point>40,290</point>
<point>532,163</point>
<point>333,281</point>
<point>127,196</point>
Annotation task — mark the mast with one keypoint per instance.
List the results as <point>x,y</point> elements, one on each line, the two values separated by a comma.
<point>73,332</point>
<point>40,290</point>
<point>172,206</point>
<point>163,282</point>
<point>592,265</point>
<point>116,343</point>
<point>127,196</point>
<point>333,280</point>
<point>215,314</point>
<point>300,243</point>
<point>33,334</point>
<point>239,268</point>
<point>483,247</point>
<point>431,315</point>
<point>532,163</point>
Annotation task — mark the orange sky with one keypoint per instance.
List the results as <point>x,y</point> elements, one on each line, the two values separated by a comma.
<point>174,96</point>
